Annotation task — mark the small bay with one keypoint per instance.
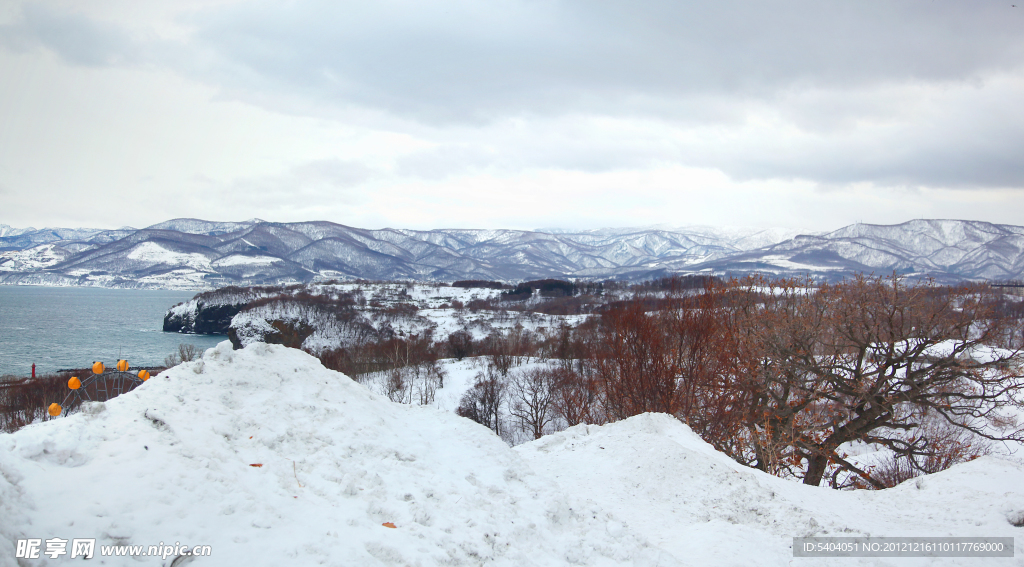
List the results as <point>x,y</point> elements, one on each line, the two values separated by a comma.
<point>70,327</point>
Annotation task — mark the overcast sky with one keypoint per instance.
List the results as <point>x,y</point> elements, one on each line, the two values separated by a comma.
<point>511,113</point>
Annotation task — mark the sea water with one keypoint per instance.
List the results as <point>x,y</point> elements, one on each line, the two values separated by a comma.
<point>70,327</point>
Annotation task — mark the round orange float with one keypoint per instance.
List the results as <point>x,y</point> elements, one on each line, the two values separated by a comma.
<point>74,383</point>
<point>54,409</point>
<point>98,368</point>
<point>122,365</point>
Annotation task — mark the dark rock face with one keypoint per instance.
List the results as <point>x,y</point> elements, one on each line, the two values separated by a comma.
<point>236,343</point>
<point>176,323</point>
<point>215,320</point>
<point>207,320</point>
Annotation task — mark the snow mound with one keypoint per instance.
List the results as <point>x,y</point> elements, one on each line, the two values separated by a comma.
<point>664,481</point>
<point>173,462</point>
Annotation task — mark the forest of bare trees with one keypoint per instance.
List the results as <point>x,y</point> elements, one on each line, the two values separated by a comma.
<point>783,376</point>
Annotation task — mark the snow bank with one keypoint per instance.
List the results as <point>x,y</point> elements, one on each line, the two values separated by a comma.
<point>667,483</point>
<point>171,462</point>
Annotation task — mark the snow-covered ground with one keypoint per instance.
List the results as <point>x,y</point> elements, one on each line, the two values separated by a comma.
<point>458,377</point>
<point>434,312</point>
<point>151,252</point>
<point>36,258</point>
<point>662,480</point>
<point>173,462</point>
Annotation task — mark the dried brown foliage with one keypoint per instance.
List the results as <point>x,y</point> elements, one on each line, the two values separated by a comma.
<point>635,366</point>
<point>865,360</point>
<point>574,397</point>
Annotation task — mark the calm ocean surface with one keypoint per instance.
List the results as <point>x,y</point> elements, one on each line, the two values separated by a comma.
<point>70,327</point>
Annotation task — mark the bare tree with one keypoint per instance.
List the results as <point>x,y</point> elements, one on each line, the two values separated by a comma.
<point>501,355</point>
<point>396,385</point>
<point>483,402</point>
<point>428,377</point>
<point>948,446</point>
<point>869,360</point>
<point>187,352</point>
<point>531,399</point>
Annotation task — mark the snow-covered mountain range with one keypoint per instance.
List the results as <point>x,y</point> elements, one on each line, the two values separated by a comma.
<point>192,253</point>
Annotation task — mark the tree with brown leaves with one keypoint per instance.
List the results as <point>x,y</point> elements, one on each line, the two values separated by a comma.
<point>868,360</point>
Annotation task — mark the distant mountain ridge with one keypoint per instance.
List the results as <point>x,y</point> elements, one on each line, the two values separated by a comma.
<point>194,253</point>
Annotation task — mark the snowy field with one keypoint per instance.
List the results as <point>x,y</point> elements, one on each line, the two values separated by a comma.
<point>174,461</point>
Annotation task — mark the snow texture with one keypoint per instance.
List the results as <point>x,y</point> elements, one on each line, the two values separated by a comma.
<point>664,481</point>
<point>172,460</point>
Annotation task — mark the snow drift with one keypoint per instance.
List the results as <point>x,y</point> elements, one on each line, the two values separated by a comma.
<point>172,462</point>
<point>665,482</point>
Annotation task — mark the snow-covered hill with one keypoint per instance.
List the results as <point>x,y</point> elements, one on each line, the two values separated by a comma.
<point>191,253</point>
<point>341,314</point>
<point>661,479</point>
<point>175,462</point>
<point>21,238</point>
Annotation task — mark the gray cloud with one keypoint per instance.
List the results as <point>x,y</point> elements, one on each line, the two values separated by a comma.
<point>688,64</point>
<point>461,61</point>
<point>851,91</point>
<point>76,38</point>
<point>957,138</point>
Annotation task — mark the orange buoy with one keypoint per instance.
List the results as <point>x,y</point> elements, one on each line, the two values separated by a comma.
<point>98,368</point>
<point>74,383</point>
<point>122,365</point>
<point>143,375</point>
<point>54,409</point>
